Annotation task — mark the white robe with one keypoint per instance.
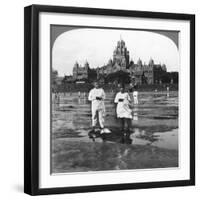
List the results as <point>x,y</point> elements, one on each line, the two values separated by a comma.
<point>123,107</point>
<point>98,107</point>
<point>135,97</point>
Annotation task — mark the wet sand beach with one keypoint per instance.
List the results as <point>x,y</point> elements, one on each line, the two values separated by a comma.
<point>152,142</point>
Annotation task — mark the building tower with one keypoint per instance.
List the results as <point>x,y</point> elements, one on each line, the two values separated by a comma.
<point>151,62</point>
<point>121,55</point>
<point>75,70</point>
<point>86,65</point>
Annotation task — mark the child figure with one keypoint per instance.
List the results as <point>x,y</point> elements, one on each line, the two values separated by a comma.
<point>124,113</point>
<point>135,95</point>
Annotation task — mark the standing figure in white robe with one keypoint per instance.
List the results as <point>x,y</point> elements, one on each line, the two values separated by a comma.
<point>97,96</point>
<point>167,91</point>
<point>123,110</point>
<point>135,97</point>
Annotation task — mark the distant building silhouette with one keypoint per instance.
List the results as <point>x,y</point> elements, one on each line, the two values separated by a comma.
<point>139,73</point>
<point>81,73</point>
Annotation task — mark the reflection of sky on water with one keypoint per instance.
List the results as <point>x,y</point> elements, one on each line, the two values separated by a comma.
<point>155,119</point>
<point>168,139</point>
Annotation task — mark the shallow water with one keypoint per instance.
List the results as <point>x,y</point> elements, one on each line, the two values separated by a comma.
<point>154,124</point>
<point>156,116</point>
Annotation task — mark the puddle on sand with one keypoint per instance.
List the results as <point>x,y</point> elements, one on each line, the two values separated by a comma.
<point>168,139</point>
<point>155,119</point>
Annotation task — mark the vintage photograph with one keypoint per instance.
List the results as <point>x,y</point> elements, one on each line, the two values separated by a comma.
<point>114,99</point>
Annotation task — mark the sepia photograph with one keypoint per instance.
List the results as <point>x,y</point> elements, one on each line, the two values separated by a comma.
<point>114,99</point>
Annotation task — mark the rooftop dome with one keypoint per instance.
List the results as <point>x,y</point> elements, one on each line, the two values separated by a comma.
<point>76,65</point>
<point>164,67</point>
<point>86,65</point>
<point>151,62</point>
<point>110,61</point>
<point>139,62</point>
<point>121,42</point>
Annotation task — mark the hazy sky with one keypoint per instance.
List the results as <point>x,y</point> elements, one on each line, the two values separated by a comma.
<point>97,46</point>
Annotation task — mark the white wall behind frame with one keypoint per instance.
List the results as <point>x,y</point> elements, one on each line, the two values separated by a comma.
<point>11,101</point>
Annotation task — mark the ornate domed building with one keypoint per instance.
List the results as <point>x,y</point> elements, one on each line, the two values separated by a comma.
<point>139,73</point>
<point>121,55</point>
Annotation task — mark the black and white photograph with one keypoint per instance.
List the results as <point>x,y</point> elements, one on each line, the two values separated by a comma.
<point>99,100</point>
<point>109,100</point>
<point>114,99</point>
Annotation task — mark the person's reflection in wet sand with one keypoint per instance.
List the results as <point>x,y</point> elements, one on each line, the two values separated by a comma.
<point>123,138</point>
<point>126,138</point>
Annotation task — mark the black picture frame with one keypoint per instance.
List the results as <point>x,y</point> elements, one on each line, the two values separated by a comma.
<point>31,98</point>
